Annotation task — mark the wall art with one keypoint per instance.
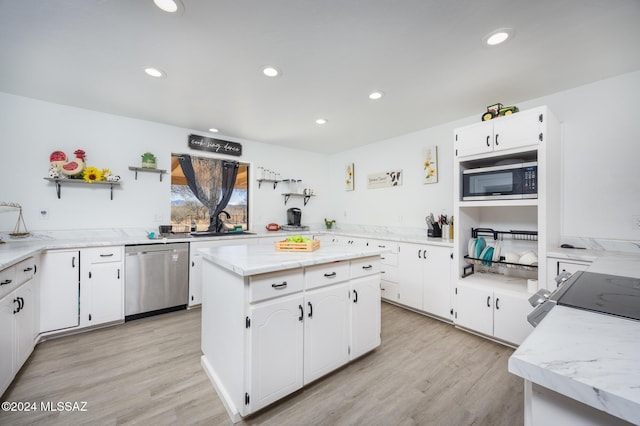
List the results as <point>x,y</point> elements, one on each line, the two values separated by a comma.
<point>348,177</point>
<point>431,165</point>
<point>385,179</point>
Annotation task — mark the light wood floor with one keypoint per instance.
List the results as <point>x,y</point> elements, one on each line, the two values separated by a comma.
<point>148,372</point>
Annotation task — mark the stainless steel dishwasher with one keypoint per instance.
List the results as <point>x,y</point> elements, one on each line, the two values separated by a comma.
<point>156,279</point>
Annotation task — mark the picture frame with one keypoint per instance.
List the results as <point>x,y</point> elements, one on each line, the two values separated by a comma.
<point>430,165</point>
<point>349,173</point>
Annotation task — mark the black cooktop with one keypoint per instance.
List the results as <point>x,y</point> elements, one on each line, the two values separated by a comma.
<point>607,294</point>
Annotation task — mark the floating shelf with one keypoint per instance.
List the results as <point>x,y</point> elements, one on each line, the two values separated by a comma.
<point>59,183</point>
<point>288,195</point>
<point>275,182</point>
<point>143,169</point>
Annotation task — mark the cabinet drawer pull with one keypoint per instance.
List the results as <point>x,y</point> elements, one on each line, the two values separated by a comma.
<point>355,296</point>
<point>497,300</point>
<point>280,286</point>
<point>5,282</point>
<point>106,255</point>
<point>497,140</point>
<point>488,144</point>
<point>310,314</point>
<point>29,269</point>
<point>331,275</point>
<point>488,300</point>
<point>301,317</point>
<point>367,267</point>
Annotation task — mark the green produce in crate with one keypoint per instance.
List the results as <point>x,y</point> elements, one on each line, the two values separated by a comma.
<point>298,239</point>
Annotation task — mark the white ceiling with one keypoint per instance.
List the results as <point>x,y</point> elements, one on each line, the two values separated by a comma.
<point>427,57</point>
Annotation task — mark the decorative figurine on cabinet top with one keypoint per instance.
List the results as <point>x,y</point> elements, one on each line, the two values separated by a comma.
<point>498,110</point>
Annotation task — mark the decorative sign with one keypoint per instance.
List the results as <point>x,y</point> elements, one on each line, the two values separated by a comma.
<point>219,146</point>
<point>348,178</point>
<point>384,180</point>
<point>431,165</point>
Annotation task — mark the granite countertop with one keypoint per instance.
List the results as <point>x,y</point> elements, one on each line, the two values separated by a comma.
<point>590,357</point>
<point>16,250</point>
<point>248,260</point>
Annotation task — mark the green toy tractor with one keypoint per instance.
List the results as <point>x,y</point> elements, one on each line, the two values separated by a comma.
<point>497,110</point>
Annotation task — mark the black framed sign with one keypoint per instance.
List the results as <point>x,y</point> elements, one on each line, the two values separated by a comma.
<point>219,146</point>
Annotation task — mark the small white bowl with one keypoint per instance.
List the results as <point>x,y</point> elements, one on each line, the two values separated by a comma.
<point>528,258</point>
<point>511,257</point>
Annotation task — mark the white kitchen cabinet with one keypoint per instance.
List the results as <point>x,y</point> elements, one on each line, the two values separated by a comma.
<point>493,312</point>
<point>518,130</point>
<point>326,330</point>
<point>18,302</point>
<point>101,285</point>
<point>425,278</point>
<point>276,355</point>
<point>365,314</point>
<point>59,290</point>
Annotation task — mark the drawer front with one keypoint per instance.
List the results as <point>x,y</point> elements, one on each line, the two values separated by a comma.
<point>389,273</point>
<point>326,274</point>
<point>25,270</point>
<point>8,280</point>
<point>390,245</point>
<point>102,254</point>
<point>275,284</point>
<point>365,266</point>
<point>389,259</point>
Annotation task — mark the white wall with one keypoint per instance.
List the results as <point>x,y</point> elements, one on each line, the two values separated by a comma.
<point>601,186</point>
<point>601,165</point>
<point>30,130</point>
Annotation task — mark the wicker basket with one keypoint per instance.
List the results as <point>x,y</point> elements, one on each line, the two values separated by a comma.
<point>290,246</point>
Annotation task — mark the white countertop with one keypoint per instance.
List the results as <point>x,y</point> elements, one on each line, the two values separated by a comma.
<point>590,357</point>
<point>248,260</point>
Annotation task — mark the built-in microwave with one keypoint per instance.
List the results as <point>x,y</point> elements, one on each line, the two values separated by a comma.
<point>501,182</point>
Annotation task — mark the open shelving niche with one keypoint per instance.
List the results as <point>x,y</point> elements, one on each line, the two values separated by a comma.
<point>539,217</point>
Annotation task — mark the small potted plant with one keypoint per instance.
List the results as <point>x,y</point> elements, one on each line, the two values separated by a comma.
<point>329,223</point>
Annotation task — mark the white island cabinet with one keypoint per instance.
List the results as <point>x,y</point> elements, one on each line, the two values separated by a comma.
<point>273,322</point>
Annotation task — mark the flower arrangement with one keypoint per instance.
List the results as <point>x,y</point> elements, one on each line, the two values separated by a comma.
<point>93,174</point>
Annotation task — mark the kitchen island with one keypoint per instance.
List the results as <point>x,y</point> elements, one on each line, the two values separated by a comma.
<point>272,321</point>
<point>582,367</point>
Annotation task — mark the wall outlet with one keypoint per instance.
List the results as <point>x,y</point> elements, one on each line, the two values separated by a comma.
<point>44,214</point>
<point>635,222</point>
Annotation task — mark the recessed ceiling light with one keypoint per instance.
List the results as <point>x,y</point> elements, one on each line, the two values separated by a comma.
<point>270,72</point>
<point>376,95</point>
<point>213,130</point>
<point>170,6</point>
<point>498,36</point>
<point>321,121</point>
<point>155,72</point>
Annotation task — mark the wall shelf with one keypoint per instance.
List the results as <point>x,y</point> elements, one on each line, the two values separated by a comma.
<point>143,169</point>
<point>59,183</point>
<point>288,195</point>
<point>275,182</point>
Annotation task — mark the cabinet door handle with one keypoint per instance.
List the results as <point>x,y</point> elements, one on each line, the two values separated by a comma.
<point>21,303</point>
<point>310,310</point>
<point>331,275</point>
<point>5,282</point>
<point>488,300</point>
<point>73,262</point>
<point>118,273</point>
<point>280,286</point>
<point>419,257</point>
<point>355,296</point>
<point>301,317</point>
<point>89,274</point>
<point>424,254</point>
<point>497,300</point>
<point>106,255</point>
<point>15,311</point>
<point>488,144</point>
<point>497,140</point>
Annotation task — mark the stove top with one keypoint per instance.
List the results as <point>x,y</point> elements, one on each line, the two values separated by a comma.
<point>604,293</point>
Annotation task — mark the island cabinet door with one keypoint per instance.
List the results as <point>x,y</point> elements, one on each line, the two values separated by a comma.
<point>365,314</point>
<point>276,329</point>
<point>326,330</point>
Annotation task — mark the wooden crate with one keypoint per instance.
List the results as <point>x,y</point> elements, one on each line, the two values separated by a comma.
<point>289,246</point>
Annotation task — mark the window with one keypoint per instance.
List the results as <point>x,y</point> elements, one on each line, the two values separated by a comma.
<point>187,208</point>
